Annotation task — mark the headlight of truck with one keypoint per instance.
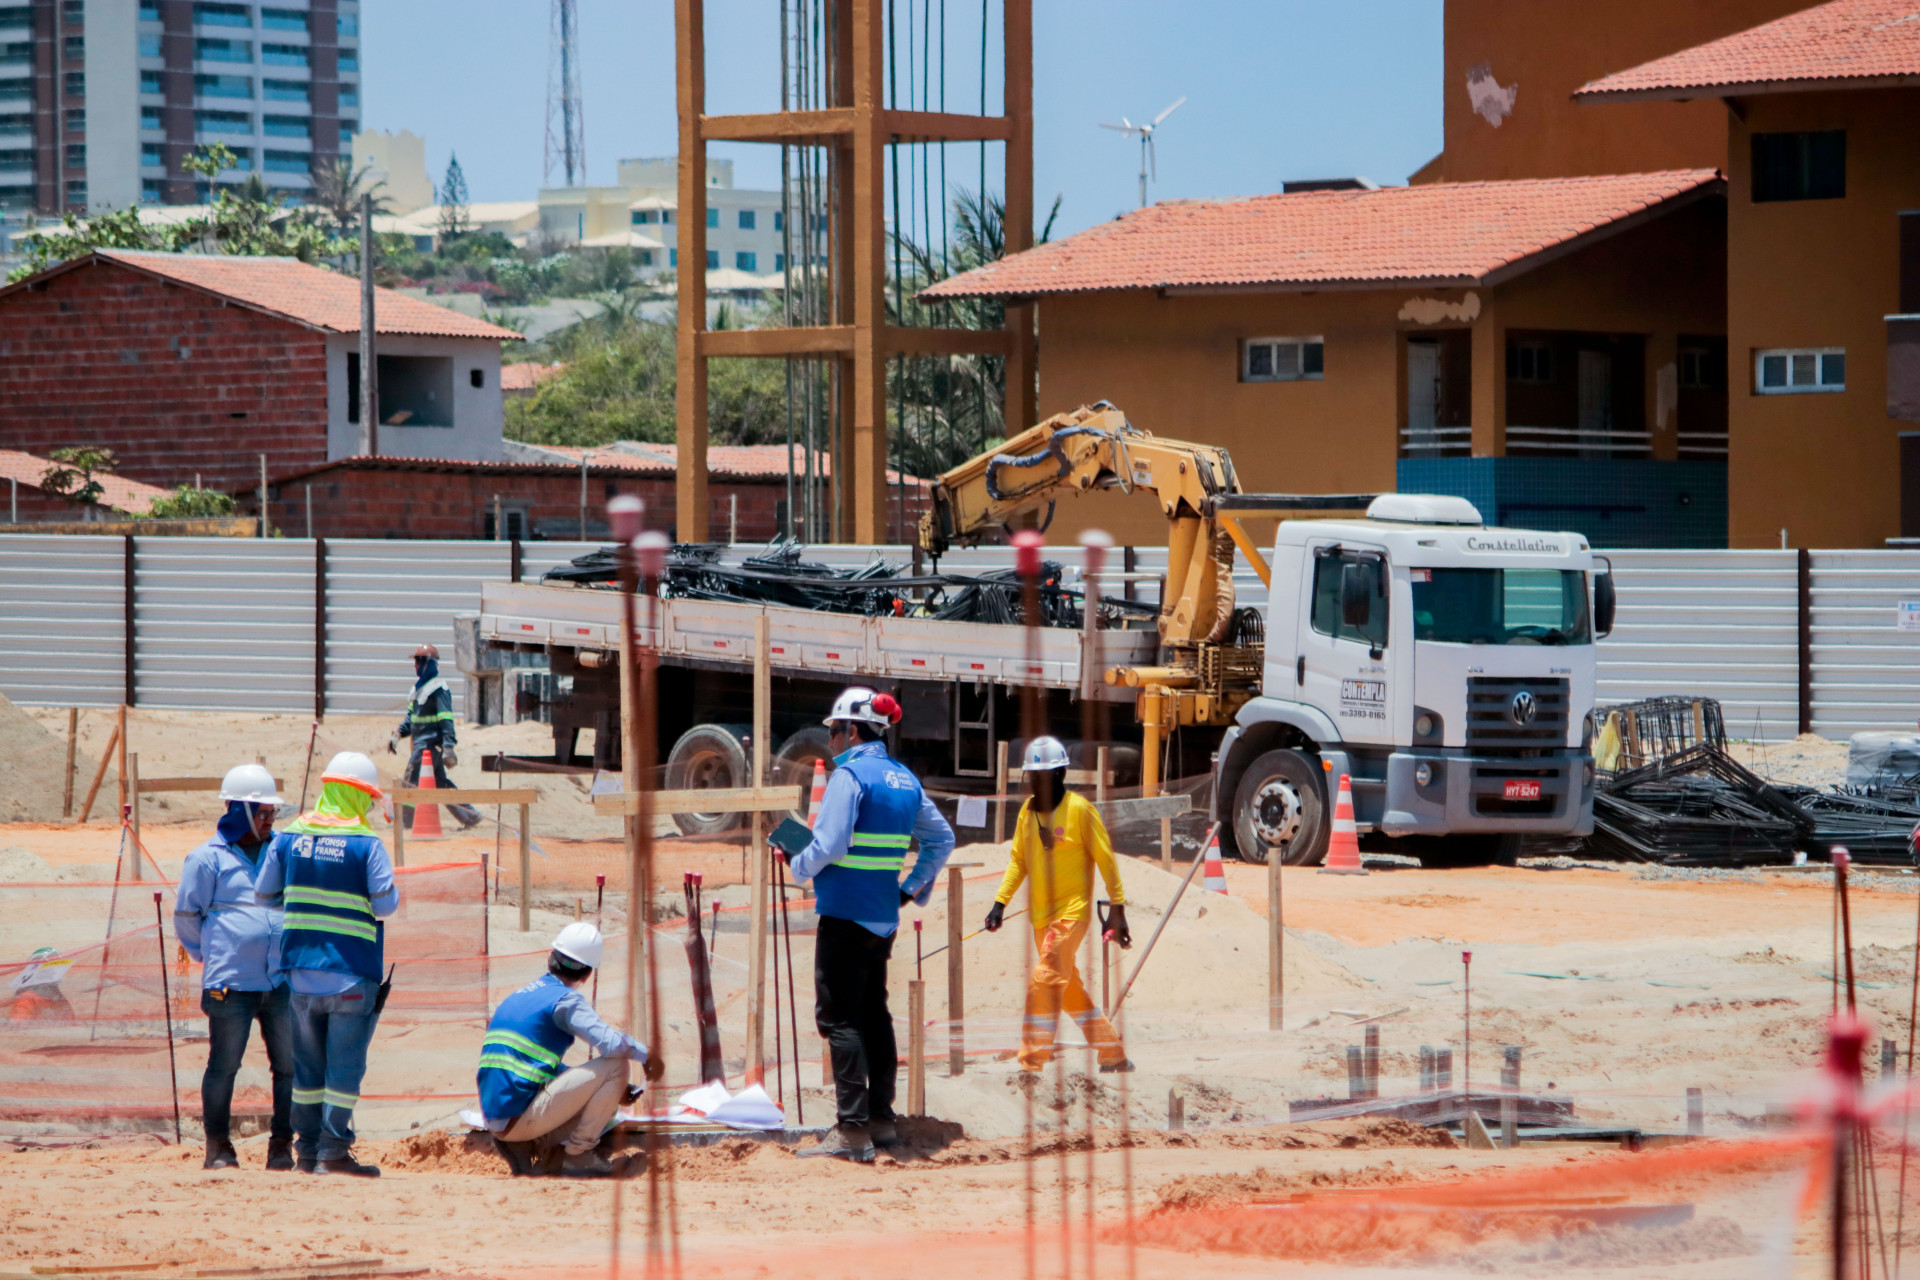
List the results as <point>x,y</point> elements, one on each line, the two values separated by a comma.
<point>1423,773</point>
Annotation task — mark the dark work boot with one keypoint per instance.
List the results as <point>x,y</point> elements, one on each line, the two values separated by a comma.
<point>348,1165</point>
<point>884,1133</point>
<point>518,1155</point>
<point>279,1155</point>
<point>845,1142</point>
<point>220,1155</point>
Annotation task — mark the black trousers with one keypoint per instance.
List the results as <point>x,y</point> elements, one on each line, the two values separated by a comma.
<point>466,814</point>
<point>229,1022</point>
<point>850,1009</point>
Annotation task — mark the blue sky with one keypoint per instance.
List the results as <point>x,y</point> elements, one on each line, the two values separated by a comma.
<point>1275,89</point>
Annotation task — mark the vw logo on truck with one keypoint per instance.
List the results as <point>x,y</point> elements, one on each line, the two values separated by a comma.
<point>1523,710</point>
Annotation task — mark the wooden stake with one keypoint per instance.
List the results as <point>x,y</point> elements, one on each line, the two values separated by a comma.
<point>1100,783</point>
<point>1276,947</point>
<point>99,774</point>
<point>122,746</point>
<point>132,794</point>
<point>758,859</point>
<point>73,736</point>
<point>956,978</point>
<point>916,1048</point>
<point>1000,793</point>
<point>526,873</point>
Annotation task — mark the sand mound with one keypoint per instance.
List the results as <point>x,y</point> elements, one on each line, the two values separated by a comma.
<point>443,1151</point>
<point>33,784</point>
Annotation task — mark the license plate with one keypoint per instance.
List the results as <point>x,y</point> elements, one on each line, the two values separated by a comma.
<point>1522,789</point>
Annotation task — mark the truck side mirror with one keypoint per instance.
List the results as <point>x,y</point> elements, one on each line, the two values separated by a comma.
<point>1356,595</point>
<point>1604,601</point>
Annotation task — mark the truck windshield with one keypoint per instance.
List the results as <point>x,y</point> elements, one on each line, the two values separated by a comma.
<point>1501,606</point>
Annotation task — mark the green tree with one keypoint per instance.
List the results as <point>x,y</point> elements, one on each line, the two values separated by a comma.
<point>455,220</point>
<point>337,188</point>
<point>72,474</point>
<point>186,503</point>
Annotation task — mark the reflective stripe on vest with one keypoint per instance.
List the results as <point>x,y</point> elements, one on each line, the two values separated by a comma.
<point>876,861</point>
<point>355,918</point>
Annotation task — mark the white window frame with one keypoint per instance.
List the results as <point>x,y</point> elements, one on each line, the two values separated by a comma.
<point>1301,343</point>
<point>1761,355</point>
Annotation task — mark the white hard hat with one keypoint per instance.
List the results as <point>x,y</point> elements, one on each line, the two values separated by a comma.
<point>1042,754</point>
<point>582,943</point>
<point>863,704</point>
<point>251,783</point>
<point>356,770</point>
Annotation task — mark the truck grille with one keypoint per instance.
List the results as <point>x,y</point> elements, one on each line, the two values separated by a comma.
<point>1498,710</point>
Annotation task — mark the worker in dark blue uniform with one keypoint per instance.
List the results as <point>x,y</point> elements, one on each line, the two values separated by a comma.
<point>332,875</point>
<point>873,812</point>
<point>429,723</point>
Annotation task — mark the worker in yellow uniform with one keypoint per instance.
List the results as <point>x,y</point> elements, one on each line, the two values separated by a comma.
<point>1058,840</point>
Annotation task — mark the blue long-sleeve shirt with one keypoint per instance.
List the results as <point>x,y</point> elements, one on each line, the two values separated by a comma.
<point>220,920</point>
<point>574,1015</point>
<point>833,832</point>
<point>381,892</point>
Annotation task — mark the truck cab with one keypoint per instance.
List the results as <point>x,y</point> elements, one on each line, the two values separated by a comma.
<point>1445,667</point>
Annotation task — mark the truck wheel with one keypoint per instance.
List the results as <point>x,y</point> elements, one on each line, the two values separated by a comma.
<point>1469,849</point>
<point>708,756</point>
<point>1280,807</point>
<point>792,764</point>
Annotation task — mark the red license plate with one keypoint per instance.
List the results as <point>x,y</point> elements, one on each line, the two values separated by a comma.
<point>1522,789</point>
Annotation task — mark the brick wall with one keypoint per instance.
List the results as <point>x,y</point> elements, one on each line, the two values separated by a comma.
<point>171,380</point>
<point>36,506</point>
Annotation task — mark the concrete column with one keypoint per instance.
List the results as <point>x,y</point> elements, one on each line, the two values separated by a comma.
<point>1489,406</point>
<point>1661,375</point>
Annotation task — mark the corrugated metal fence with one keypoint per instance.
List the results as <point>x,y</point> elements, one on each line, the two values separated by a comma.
<point>1782,638</point>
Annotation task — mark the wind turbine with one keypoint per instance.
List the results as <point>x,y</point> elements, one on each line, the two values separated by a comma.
<point>1148,159</point>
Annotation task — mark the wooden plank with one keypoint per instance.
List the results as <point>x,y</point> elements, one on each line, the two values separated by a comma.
<point>150,785</point>
<point>1143,809</point>
<point>944,126</point>
<point>707,800</point>
<point>943,342</point>
<point>462,795</point>
<point>526,873</point>
<point>777,126</point>
<point>823,339</point>
<point>99,773</point>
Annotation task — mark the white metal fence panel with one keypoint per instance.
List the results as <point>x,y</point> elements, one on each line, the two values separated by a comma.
<point>1866,672</point>
<point>1714,624</point>
<point>386,597</point>
<point>224,624</point>
<point>62,620</point>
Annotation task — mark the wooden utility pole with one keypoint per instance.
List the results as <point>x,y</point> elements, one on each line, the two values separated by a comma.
<point>857,128</point>
<point>369,382</point>
<point>759,859</point>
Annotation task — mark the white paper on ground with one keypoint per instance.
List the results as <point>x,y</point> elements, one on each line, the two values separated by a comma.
<point>751,1108</point>
<point>971,811</point>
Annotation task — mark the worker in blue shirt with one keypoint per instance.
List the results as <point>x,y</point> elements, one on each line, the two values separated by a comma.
<point>236,940</point>
<point>429,722</point>
<point>528,1095</point>
<point>874,808</point>
<point>332,875</point>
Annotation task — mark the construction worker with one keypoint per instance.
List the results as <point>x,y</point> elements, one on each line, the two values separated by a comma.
<point>222,923</point>
<point>527,1094</point>
<point>1058,840</point>
<point>872,809</point>
<point>332,875</point>
<point>429,722</point>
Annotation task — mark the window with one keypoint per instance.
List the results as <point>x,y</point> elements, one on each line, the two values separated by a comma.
<point>76,155</point>
<point>153,189</point>
<point>223,86</point>
<point>1699,371</point>
<point>283,20</point>
<point>1329,566</point>
<point>286,126</point>
<point>242,160</point>
<point>713,218</point>
<point>77,191</point>
<point>283,90</point>
<point>415,391</point>
<point>16,161</point>
<point>153,155</point>
<point>73,12</point>
<point>349,96</point>
<point>288,162</point>
<point>1800,166</point>
<point>645,256</point>
<point>779,220</point>
<point>713,259</point>
<point>349,60</point>
<point>1282,360</point>
<point>347,25</point>
<point>76,84</point>
<point>222,15</point>
<point>779,262</point>
<point>152,118</point>
<point>477,379</point>
<point>746,220</point>
<point>1785,372</point>
<point>150,45</point>
<point>75,47</point>
<point>20,91</point>
<point>673,255</point>
<point>641,217</point>
<point>283,55</point>
<point>666,217</point>
<point>347,129</point>
<point>1500,606</point>
<point>77,120</point>
<point>222,122</point>
<point>1529,362</point>
<point>746,262</point>
<point>152,82</point>
<point>21,122</point>
<point>149,10</point>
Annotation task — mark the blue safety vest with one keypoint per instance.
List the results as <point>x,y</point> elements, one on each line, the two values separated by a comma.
<point>522,1049</point>
<point>329,922</point>
<point>865,884</point>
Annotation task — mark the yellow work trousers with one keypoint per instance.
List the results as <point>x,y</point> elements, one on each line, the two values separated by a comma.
<point>1056,985</point>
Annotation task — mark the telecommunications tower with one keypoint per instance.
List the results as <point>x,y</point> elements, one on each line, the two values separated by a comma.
<point>566,146</point>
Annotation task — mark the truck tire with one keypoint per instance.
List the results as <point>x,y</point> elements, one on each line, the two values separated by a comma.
<point>792,764</point>
<point>1280,805</point>
<point>1468,849</point>
<point>708,756</point>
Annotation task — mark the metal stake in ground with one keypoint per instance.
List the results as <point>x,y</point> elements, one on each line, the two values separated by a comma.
<point>1466,1025</point>
<point>599,902</point>
<point>793,1010</point>
<point>166,1003</point>
<point>306,775</point>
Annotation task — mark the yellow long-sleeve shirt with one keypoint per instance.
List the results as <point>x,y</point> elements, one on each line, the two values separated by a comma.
<point>1063,878</point>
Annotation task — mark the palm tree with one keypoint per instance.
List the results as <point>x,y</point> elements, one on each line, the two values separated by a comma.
<point>337,188</point>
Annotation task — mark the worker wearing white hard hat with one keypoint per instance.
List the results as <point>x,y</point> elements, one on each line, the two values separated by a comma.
<point>874,810</point>
<point>542,1113</point>
<point>331,873</point>
<point>235,938</point>
<point>1058,842</point>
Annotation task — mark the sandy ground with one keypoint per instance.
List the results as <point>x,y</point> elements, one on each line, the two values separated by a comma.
<point>1623,986</point>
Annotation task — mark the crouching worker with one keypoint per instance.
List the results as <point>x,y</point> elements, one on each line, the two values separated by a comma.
<point>532,1101</point>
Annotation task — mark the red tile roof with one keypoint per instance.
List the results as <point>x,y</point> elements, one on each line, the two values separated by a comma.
<point>526,375</point>
<point>1844,44</point>
<point>117,492</point>
<point>744,461</point>
<point>1468,233</point>
<point>287,287</point>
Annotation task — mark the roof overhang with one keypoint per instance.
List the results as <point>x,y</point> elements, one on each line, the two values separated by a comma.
<point>1689,93</point>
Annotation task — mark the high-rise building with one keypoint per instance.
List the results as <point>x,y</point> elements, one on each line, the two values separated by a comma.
<point>101,100</point>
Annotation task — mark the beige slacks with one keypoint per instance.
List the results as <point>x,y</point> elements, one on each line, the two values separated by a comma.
<point>588,1094</point>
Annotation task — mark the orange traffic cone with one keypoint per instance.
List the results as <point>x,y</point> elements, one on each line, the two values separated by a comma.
<point>1213,875</point>
<point>819,792</point>
<point>426,817</point>
<point>1343,849</point>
